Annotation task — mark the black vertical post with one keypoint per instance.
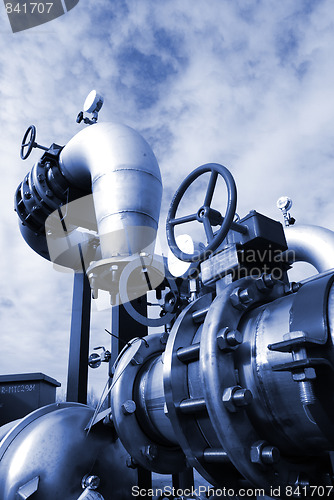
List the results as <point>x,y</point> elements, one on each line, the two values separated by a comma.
<point>126,328</point>
<point>184,480</point>
<point>77,375</point>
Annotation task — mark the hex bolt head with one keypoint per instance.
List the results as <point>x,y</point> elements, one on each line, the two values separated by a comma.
<point>246,296</point>
<point>235,398</point>
<point>128,407</point>
<point>228,340</point>
<point>265,282</point>
<point>150,451</point>
<point>263,453</point>
<point>234,297</point>
<point>242,297</point>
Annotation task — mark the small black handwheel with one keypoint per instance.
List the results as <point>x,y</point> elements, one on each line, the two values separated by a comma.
<point>28,142</point>
<point>205,214</point>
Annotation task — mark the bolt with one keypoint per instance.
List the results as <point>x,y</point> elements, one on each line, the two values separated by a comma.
<point>166,410</point>
<point>263,453</point>
<point>131,462</point>
<point>27,195</point>
<point>306,392</point>
<point>137,359</point>
<point>163,338</point>
<point>108,420</point>
<point>228,340</point>
<point>128,407</point>
<point>40,177</point>
<point>114,272</point>
<point>236,397</point>
<point>150,451</point>
<point>49,193</point>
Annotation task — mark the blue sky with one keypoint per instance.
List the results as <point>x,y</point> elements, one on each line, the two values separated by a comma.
<point>245,83</point>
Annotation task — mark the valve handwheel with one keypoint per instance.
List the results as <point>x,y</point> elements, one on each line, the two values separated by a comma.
<point>205,215</point>
<point>28,142</point>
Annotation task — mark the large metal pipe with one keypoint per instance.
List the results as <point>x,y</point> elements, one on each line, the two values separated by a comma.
<point>125,181</point>
<point>115,164</point>
<point>312,244</point>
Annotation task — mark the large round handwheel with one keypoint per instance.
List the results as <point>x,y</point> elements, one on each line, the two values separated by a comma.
<point>28,142</point>
<point>205,214</point>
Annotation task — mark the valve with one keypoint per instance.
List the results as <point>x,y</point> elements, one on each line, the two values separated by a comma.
<point>28,142</point>
<point>95,359</point>
<point>205,214</point>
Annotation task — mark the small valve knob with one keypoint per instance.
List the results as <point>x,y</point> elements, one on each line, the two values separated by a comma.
<point>284,203</point>
<point>95,359</point>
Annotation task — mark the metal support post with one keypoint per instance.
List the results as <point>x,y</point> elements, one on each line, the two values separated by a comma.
<point>77,375</point>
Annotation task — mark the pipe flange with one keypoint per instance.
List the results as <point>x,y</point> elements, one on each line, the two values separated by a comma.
<point>187,415</point>
<point>146,452</point>
<point>218,375</point>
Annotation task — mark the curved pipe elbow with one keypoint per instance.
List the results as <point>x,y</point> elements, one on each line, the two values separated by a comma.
<point>312,244</point>
<point>123,174</point>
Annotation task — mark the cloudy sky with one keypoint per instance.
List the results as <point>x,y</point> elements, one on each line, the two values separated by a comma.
<point>245,83</point>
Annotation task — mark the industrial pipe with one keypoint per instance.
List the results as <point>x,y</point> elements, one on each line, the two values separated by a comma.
<point>312,244</point>
<point>115,164</point>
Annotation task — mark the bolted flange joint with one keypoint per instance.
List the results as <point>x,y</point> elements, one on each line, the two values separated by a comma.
<point>228,340</point>
<point>264,454</point>
<point>236,398</point>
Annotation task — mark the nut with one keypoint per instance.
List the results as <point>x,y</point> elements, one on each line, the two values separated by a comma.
<point>263,453</point>
<point>242,297</point>
<point>306,374</point>
<point>264,282</point>
<point>236,397</point>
